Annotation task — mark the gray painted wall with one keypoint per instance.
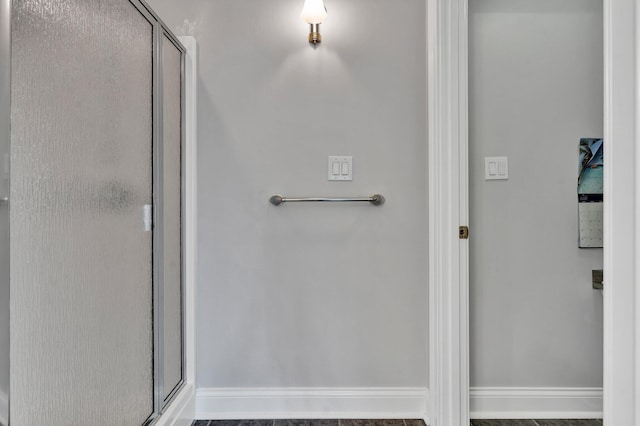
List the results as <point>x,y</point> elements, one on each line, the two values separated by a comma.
<point>536,88</point>
<point>309,295</point>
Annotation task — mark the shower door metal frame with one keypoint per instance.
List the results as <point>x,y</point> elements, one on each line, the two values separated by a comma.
<point>160,398</point>
<point>5,121</point>
<point>168,395</point>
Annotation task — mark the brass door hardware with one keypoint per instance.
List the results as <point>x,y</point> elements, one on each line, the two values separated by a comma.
<point>464,233</point>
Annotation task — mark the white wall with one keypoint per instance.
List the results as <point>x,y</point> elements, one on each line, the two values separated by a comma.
<point>536,87</point>
<point>309,295</point>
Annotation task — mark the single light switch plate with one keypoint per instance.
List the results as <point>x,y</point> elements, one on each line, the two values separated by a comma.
<point>496,168</point>
<point>340,167</point>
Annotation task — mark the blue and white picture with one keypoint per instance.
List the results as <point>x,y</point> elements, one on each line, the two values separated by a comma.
<point>590,192</point>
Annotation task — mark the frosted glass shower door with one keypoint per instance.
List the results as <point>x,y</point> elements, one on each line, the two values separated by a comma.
<point>5,72</point>
<point>81,171</point>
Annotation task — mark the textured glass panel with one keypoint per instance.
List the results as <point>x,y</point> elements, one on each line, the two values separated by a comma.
<point>81,173</point>
<point>5,72</point>
<point>172,87</point>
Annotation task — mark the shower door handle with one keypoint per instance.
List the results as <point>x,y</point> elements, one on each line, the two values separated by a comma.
<point>4,199</point>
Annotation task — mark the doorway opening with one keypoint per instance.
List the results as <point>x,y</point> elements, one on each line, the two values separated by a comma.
<point>535,320</point>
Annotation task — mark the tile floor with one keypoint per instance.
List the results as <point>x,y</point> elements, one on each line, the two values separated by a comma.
<point>405,422</point>
<point>592,422</point>
<point>335,422</point>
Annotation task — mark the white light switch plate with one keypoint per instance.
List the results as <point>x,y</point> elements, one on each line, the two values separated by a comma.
<point>340,167</point>
<point>496,168</point>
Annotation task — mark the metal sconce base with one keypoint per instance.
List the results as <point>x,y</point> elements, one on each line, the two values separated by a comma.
<point>314,34</point>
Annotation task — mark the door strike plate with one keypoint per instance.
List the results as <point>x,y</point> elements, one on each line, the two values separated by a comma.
<point>464,232</point>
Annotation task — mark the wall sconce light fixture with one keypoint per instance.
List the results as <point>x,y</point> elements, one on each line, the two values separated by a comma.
<point>313,13</point>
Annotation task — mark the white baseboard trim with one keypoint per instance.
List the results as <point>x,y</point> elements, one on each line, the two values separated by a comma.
<point>181,411</point>
<point>536,403</point>
<point>4,408</point>
<point>311,403</point>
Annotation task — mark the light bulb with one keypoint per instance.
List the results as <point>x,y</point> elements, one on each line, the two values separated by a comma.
<point>313,12</point>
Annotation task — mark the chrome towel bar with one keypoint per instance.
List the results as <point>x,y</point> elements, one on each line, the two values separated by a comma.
<point>376,200</point>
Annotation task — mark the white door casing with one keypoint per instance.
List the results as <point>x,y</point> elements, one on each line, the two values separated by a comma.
<point>447,27</point>
<point>621,234</point>
<point>448,209</point>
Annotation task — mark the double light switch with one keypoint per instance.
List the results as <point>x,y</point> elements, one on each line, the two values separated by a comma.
<point>340,168</point>
<point>496,168</point>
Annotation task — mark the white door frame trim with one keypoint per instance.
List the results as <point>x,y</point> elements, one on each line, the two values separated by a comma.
<point>447,28</point>
<point>621,237</point>
<point>448,209</point>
